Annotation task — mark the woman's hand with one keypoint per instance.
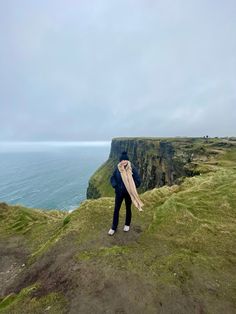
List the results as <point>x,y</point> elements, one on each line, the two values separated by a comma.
<point>123,164</point>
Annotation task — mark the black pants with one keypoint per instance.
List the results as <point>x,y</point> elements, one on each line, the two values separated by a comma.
<point>118,201</point>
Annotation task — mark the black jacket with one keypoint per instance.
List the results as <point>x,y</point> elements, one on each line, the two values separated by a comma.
<point>117,182</point>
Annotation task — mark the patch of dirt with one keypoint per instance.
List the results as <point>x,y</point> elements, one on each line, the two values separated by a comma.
<point>89,286</point>
<point>102,289</point>
<point>119,238</point>
<point>13,256</point>
<point>53,270</point>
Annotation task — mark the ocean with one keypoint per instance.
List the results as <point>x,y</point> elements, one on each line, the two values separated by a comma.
<point>49,175</point>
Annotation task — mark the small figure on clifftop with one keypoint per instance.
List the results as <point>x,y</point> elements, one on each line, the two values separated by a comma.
<point>125,180</point>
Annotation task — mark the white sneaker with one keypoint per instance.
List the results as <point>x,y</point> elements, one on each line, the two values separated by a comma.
<point>126,228</point>
<point>111,232</point>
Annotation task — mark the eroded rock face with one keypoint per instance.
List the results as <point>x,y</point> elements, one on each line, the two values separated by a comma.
<point>159,162</point>
<point>153,159</point>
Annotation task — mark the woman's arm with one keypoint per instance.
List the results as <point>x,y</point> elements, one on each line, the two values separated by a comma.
<point>136,177</point>
<point>113,180</point>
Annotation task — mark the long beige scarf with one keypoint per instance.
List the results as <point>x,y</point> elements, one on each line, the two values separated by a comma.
<point>127,177</point>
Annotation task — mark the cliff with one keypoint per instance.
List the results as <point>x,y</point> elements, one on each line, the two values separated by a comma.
<point>159,161</point>
<point>178,257</point>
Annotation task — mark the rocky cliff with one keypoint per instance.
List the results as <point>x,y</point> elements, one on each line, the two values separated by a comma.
<point>160,161</point>
<point>178,257</point>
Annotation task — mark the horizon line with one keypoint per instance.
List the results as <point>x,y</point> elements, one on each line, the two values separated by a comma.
<point>81,143</point>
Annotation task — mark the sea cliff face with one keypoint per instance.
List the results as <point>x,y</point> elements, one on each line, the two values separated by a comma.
<point>159,161</point>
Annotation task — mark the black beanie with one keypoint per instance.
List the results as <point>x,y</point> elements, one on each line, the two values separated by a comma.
<point>124,156</point>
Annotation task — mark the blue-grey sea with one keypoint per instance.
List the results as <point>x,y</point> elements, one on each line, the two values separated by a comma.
<point>49,175</point>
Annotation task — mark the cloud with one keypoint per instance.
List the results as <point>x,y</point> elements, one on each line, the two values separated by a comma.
<point>88,70</point>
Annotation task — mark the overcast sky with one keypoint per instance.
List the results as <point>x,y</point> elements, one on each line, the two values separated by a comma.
<point>94,70</point>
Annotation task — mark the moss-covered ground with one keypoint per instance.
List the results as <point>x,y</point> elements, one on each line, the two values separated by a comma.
<point>179,256</point>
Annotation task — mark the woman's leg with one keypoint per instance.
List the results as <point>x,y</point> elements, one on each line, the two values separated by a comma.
<point>128,203</point>
<point>118,201</point>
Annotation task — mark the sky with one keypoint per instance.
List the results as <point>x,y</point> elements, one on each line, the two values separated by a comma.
<point>76,70</point>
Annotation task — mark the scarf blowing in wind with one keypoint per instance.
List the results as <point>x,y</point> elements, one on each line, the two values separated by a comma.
<point>127,178</point>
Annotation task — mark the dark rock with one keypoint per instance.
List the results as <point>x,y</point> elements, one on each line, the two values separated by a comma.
<point>159,162</point>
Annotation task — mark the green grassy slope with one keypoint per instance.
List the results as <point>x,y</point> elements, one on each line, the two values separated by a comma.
<point>100,180</point>
<point>179,256</point>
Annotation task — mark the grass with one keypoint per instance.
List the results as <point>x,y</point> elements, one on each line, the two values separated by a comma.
<point>25,302</point>
<point>100,181</point>
<point>13,299</point>
<point>181,248</point>
<point>188,239</point>
<point>33,227</point>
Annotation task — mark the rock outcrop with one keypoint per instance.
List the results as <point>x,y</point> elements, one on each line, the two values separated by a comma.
<point>160,161</point>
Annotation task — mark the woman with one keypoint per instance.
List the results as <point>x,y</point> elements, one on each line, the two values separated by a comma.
<point>124,180</point>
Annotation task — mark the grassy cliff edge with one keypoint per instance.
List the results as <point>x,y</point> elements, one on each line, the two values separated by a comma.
<point>179,257</point>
